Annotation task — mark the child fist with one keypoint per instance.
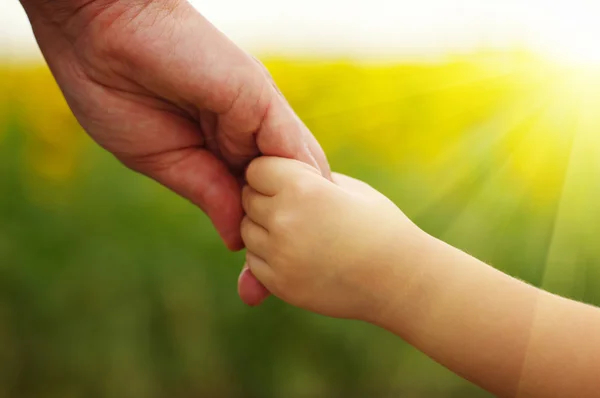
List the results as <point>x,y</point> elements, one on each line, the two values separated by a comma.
<point>328,247</point>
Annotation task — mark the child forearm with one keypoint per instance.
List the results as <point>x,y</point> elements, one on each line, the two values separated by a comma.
<point>502,334</point>
<point>344,250</point>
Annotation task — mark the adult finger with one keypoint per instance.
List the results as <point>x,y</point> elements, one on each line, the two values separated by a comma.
<point>318,154</point>
<point>311,145</point>
<point>205,74</point>
<point>250,290</point>
<point>200,177</point>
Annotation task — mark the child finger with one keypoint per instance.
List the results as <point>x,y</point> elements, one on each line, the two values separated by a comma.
<point>260,269</point>
<point>268,175</point>
<point>257,206</point>
<point>255,237</point>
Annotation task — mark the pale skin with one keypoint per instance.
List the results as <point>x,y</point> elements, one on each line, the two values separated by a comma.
<point>342,249</point>
<point>157,85</point>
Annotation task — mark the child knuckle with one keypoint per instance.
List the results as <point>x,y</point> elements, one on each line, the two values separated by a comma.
<point>245,228</point>
<point>305,188</point>
<point>281,220</point>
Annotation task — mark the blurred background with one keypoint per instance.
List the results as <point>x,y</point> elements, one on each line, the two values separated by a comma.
<point>480,119</point>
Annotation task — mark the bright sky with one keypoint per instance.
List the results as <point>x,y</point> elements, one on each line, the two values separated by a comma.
<point>568,28</point>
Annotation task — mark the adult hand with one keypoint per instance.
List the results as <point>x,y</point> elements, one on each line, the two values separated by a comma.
<point>171,97</point>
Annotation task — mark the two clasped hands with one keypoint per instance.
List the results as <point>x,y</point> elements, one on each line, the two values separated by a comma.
<point>171,97</point>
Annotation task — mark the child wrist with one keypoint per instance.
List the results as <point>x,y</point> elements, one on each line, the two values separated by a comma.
<point>405,285</point>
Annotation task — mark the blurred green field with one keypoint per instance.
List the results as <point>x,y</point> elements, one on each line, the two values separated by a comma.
<point>111,286</point>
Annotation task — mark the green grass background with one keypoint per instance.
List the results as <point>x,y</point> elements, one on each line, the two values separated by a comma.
<point>111,286</point>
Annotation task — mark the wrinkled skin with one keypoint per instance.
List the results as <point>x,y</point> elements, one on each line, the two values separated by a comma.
<point>171,97</point>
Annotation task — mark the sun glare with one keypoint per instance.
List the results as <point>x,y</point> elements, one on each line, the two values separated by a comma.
<point>571,34</point>
<point>578,50</point>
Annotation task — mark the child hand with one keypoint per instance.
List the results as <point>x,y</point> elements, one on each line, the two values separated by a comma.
<point>327,247</point>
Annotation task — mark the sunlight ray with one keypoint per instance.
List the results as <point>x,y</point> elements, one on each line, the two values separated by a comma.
<point>490,209</point>
<point>500,170</point>
<point>573,231</point>
<point>458,169</point>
